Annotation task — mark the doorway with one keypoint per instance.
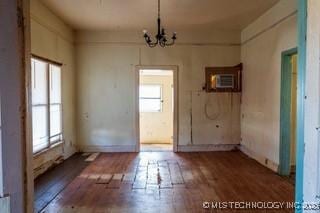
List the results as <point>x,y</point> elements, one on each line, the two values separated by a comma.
<point>288,113</point>
<point>156,108</point>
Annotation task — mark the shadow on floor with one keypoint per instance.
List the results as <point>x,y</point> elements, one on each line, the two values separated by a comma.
<point>48,185</point>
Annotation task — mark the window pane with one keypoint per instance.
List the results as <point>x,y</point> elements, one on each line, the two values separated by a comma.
<point>150,105</point>
<point>39,82</point>
<point>46,82</point>
<point>55,84</point>
<point>150,91</point>
<point>55,122</point>
<point>39,128</point>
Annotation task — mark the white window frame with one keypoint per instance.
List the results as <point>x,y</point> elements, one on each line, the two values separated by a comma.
<point>50,144</point>
<point>160,99</point>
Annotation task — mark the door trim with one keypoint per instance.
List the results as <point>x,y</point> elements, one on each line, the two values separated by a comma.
<point>302,49</point>
<point>175,105</point>
<point>285,111</point>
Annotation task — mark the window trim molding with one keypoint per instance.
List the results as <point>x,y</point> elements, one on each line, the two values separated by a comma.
<point>47,149</point>
<point>47,60</point>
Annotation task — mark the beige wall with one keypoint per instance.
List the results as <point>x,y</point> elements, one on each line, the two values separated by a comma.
<point>157,127</point>
<point>106,81</point>
<point>294,85</point>
<point>263,42</point>
<point>52,39</point>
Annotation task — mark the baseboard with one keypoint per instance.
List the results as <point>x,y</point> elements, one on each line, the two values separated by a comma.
<point>151,143</point>
<point>261,159</point>
<point>207,147</point>
<point>42,162</point>
<point>114,148</point>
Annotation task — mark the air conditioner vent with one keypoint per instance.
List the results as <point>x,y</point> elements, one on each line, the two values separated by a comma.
<point>224,81</point>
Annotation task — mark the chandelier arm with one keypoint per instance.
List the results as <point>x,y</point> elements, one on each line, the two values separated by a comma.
<point>162,44</point>
<point>150,43</point>
<point>171,43</point>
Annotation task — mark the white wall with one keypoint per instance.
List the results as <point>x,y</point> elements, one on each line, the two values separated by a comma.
<point>311,169</point>
<point>157,127</point>
<point>262,44</point>
<point>52,39</point>
<point>106,82</point>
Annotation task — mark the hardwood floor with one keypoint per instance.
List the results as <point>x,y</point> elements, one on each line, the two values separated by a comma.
<point>170,182</point>
<point>48,185</point>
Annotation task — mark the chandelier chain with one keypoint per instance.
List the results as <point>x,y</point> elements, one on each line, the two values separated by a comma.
<point>158,8</point>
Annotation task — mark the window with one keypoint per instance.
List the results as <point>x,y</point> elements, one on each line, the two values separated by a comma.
<point>46,104</point>
<point>150,98</point>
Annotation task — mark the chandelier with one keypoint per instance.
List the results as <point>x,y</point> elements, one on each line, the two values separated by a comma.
<point>161,37</point>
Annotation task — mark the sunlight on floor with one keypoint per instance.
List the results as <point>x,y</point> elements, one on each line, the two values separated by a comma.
<point>156,147</point>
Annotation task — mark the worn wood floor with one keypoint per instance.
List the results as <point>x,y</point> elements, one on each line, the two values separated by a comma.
<point>170,182</point>
<point>48,185</point>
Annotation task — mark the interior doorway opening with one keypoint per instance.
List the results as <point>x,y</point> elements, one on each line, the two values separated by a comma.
<point>288,114</point>
<point>156,109</point>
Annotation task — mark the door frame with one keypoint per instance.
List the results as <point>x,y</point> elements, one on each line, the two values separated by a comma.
<point>302,61</point>
<point>175,70</point>
<point>285,111</point>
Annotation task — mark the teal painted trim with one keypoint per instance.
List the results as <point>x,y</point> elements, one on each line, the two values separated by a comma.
<point>285,111</point>
<point>290,52</point>
<point>302,49</point>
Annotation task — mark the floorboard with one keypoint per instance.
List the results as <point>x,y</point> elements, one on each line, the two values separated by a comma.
<point>171,182</point>
<point>48,185</point>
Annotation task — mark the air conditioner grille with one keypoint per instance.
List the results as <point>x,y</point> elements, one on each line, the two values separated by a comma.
<point>225,81</point>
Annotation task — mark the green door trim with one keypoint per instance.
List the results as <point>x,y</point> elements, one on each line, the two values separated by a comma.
<point>285,111</point>
<point>302,49</point>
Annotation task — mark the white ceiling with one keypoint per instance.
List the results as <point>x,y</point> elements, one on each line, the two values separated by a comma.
<point>175,14</point>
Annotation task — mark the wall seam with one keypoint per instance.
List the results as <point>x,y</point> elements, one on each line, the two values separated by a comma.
<point>51,29</point>
<point>142,43</point>
<point>256,35</point>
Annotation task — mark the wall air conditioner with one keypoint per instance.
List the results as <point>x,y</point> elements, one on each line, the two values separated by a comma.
<point>221,81</point>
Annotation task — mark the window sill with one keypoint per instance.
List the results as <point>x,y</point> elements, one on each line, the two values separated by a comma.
<point>53,146</point>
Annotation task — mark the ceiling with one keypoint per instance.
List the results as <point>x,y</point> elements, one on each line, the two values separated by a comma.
<point>142,14</point>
